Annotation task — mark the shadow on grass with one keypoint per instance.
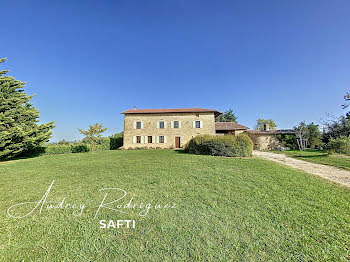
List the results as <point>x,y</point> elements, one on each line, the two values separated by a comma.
<point>18,158</point>
<point>310,156</point>
<point>180,151</point>
<point>38,152</point>
<point>309,153</point>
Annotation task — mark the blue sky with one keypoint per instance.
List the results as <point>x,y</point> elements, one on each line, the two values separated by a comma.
<point>87,61</point>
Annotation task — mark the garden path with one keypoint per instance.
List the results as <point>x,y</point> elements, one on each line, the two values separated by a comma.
<point>328,172</point>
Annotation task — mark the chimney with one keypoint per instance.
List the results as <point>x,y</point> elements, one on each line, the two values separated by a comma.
<point>266,127</point>
<point>134,108</point>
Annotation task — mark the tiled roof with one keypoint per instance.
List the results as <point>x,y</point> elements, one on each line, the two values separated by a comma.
<point>229,126</point>
<point>170,110</point>
<point>271,132</point>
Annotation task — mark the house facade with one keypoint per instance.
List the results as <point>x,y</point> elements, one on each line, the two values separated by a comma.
<point>173,128</point>
<point>166,128</point>
<point>229,128</point>
<point>267,139</point>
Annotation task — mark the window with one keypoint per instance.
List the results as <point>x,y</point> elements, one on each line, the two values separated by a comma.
<point>176,124</point>
<point>161,124</point>
<point>198,124</point>
<point>150,139</point>
<point>138,125</point>
<point>138,139</point>
<point>161,139</point>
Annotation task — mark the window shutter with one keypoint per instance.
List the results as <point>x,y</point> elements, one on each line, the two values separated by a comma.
<point>134,139</point>
<point>153,139</point>
<point>142,139</point>
<point>194,124</point>
<point>201,124</point>
<point>179,124</point>
<point>157,124</point>
<point>164,124</point>
<point>146,140</point>
<point>172,124</point>
<point>134,124</point>
<point>164,139</point>
<point>157,139</point>
<point>141,124</point>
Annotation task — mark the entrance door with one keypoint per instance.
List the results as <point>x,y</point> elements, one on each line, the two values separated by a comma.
<point>177,142</point>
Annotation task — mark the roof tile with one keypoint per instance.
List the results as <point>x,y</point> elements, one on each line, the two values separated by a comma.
<point>229,126</point>
<point>170,110</point>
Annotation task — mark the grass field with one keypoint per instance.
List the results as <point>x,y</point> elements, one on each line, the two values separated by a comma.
<point>227,209</point>
<point>320,157</point>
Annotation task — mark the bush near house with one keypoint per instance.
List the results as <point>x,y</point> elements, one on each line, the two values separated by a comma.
<point>229,145</point>
<point>116,141</point>
<point>339,145</point>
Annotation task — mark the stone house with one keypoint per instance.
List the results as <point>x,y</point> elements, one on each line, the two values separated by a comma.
<point>229,128</point>
<point>266,139</point>
<point>166,128</point>
<point>173,128</point>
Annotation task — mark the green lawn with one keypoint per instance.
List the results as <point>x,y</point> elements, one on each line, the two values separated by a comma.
<point>320,157</point>
<point>227,209</point>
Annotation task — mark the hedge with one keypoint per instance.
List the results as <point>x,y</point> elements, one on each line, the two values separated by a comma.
<point>116,142</point>
<point>65,147</point>
<point>52,149</point>
<point>106,143</point>
<point>227,145</point>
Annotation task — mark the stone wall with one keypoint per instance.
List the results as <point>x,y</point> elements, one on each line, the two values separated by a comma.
<point>264,141</point>
<point>150,127</point>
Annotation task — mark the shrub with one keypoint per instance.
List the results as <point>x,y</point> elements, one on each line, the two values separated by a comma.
<point>228,145</point>
<point>339,145</point>
<point>103,143</point>
<point>288,140</point>
<point>97,143</point>
<point>79,148</point>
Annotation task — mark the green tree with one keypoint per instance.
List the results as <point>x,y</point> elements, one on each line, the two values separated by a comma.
<point>261,122</point>
<point>92,134</point>
<point>346,104</point>
<point>309,135</point>
<point>336,129</point>
<point>19,128</point>
<point>302,133</point>
<point>227,116</point>
<point>347,99</point>
<point>314,135</point>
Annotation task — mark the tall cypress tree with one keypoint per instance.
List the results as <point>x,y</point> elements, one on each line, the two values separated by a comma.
<point>19,128</point>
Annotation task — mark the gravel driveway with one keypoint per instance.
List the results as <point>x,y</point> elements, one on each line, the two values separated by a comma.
<point>329,172</point>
